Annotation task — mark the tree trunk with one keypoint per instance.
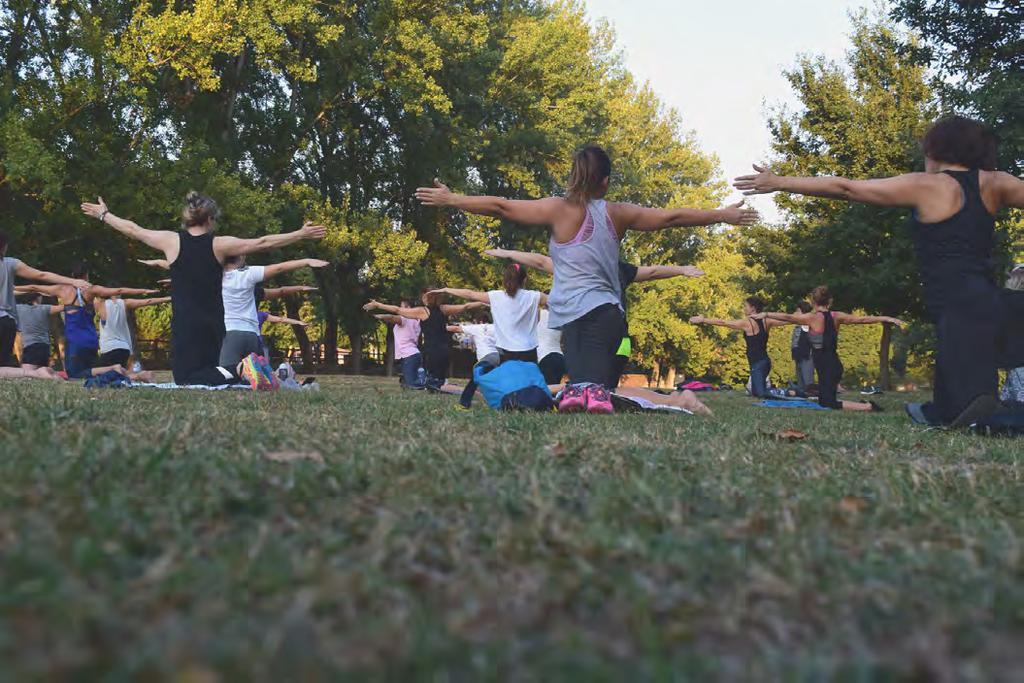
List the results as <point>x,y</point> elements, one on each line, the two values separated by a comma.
<point>655,374</point>
<point>291,306</point>
<point>670,378</point>
<point>356,366</point>
<point>389,352</point>
<point>884,349</point>
<point>330,340</point>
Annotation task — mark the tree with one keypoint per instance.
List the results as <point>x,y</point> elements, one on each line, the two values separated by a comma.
<point>861,119</point>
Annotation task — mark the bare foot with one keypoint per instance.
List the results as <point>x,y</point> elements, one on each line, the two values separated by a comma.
<point>689,401</point>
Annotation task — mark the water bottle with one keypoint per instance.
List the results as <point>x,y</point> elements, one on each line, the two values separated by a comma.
<point>136,366</point>
<point>421,377</point>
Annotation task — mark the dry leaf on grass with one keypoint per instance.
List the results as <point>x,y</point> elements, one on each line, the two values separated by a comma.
<point>789,435</point>
<point>557,449</point>
<point>293,456</point>
<point>852,504</point>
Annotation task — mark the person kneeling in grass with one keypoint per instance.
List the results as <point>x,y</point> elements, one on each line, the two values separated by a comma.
<point>824,326</point>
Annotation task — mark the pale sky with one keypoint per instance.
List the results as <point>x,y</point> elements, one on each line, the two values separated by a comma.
<point>720,62</point>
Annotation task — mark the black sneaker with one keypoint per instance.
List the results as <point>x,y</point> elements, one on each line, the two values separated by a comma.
<point>980,408</point>
<point>875,408</point>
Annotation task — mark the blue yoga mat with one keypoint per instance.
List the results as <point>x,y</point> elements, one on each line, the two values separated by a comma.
<point>809,405</point>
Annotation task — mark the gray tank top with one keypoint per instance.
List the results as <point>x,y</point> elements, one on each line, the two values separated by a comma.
<point>114,333</point>
<point>8,304</point>
<point>586,269</point>
<point>34,323</point>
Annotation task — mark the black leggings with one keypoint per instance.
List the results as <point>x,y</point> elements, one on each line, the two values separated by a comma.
<point>195,352</point>
<point>977,335</point>
<point>435,363</point>
<point>830,374</point>
<point>8,331</point>
<point>590,343</point>
<point>525,356</point>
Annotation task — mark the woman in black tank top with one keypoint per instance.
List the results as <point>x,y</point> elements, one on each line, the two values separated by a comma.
<point>433,316</point>
<point>196,257</point>
<point>824,337</point>
<point>755,335</point>
<point>953,203</point>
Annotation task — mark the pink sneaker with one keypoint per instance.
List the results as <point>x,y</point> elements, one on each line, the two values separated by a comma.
<point>598,400</point>
<point>574,399</point>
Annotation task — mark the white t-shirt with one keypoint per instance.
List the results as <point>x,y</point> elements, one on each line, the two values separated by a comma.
<point>515,319</point>
<point>548,340</point>
<point>483,339</point>
<point>240,300</point>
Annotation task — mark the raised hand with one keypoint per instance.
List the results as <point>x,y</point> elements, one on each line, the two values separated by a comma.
<point>371,305</point>
<point>736,214</point>
<point>495,253</point>
<point>438,195</point>
<point>316,263</point>
<point>697,320</point>
<point>81,284</point>
<point>94,210</point>
<point>762,182</point>
<point>692,271</point>
<point>311,231</point>
<point>898,323</point>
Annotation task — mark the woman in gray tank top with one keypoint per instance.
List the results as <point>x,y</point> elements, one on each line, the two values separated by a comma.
<point>585,235</point>
<point>34,320</point>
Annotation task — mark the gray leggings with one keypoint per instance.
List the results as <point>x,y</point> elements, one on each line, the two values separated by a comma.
<point>236,346</point>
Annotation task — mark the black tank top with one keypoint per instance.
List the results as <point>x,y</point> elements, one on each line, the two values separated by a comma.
<point>435,329</point>
<point>828,340</point>
<point>757,345</point>
<point>196,277</point>
<point>954,255</point>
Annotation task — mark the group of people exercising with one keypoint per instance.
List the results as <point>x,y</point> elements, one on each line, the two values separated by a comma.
<point>579,328</point>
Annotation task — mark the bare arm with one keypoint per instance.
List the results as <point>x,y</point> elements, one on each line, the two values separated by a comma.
<point>162,240</point>
<point>452,309</point>
<point>468,294</point>
<point>286,321</point>
<point>848,319</point>
<point>107,292</point>
<point>633,217</point>
<point>741,325</point>
<point>528,212</point>
<point>225,246</point>
<point>418,313</point>
<point>155,263</point>
<point>132,304</point>
<point>48,290</point>
<point>455,329</point>
<point>29,273</point>
<point>787,318</point>
<point>279,292</point>
<point>389,319</point>
<point>526,258</point>
<point>289,266</point>
<point>908,190</point>
<point>1011,190</point>
<point>647,273</point>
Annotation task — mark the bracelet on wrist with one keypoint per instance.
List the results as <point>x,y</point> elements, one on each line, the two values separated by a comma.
<point>103,216</point>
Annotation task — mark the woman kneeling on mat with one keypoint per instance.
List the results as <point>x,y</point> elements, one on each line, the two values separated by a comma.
<point>824,336</point>
<point>953,206</point>
<point>755,335</point>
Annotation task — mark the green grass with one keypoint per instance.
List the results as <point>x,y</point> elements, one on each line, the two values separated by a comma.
<point>146,535</point>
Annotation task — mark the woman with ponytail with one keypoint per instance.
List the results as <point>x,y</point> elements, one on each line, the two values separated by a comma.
<point>515,312</point>
<point>585,301</point>
<point>196,260</point>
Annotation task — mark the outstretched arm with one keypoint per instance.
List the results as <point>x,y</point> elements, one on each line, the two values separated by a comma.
<point>29,273</point>
<point>468,294</point>
<point>155,263</point>
<point>1011,190</point>
<point>225,246</point>
<point>647,273</point>
<point>418,313</point>
<point>107,292</point>
<point>529,212</point>
<point>633,217</point>
<point>459,309</point>
<point>389,319</point>
<point>526,258</point>
<point>289,266</point>
<point>455,329</point>
<point>132,304</point>
<point>908,190</point>
<point>162,240</point>
<point>848,319</point>
<point>280,292</point>
<point>741,325</point>
<point>286,321</point>
<point>47,290</point>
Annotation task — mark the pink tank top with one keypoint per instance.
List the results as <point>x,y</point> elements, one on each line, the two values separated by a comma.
<point>407,335</point>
